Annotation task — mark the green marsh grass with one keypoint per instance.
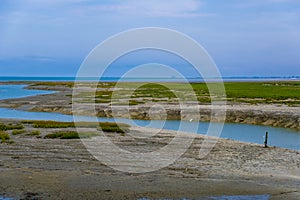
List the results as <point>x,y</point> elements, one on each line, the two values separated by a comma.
<point>66,84</point>
<point>18,132</point>
<point>105,126</point>
<point>282,92</point>
<point>70,135</point>
<point>4,137</point>
<point>6,127</point>
<point>34,133</point>
<point>248,92</point>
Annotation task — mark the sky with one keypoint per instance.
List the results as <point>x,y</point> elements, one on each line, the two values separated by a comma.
<point>244,38</point>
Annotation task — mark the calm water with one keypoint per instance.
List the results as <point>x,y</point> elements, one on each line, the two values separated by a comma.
<point>18,91</point>
<point>281,137</point>
<point>5,198</point>
<point>239,197</point>
<point>191,79</point>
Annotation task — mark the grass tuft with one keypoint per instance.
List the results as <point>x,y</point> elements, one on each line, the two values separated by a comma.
<point>4,137</point>
<point>34,133</point>
<point>114,127</point>
<point>18,132</point>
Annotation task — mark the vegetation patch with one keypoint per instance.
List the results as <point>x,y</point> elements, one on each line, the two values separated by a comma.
<point>66,84</point>
<point>270,91</point>
<point>104,126</point>
<point>4,137</point>
<point>104,94</point>
<point>18,132</point>
<point>34,133</point>
<point>114,127</point>
<point>131,102</point>
<point>6,127</point>
<point>249,92</point>
<point>154,90</point>
<point>49,124</point>
<point>257,92</point>
<point>106,84</point>
<point>70,135</point>
<point>101,101</point>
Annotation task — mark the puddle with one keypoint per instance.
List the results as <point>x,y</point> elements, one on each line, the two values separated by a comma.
<point>5,198</point>
<point>239,197</point>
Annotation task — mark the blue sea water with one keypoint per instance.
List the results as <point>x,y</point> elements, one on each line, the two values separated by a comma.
<point>167,79</point>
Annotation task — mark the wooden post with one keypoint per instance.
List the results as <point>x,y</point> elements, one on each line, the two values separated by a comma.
<point>266,139</point>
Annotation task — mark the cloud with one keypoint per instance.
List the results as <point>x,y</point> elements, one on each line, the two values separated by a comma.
<point>38,58</point>
<point>30,58</point>
<point>59,12</point>
<point>149,8</point>
<point>14,17</point>
<point>166,8</point>
<point>53,2</point>
<point>255,3</point>
<point>282,1</point>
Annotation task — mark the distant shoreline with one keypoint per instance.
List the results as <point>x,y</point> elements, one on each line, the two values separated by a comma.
<point>149,79</point>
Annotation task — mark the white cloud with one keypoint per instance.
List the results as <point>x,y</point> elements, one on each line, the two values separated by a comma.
<point>62,11</point>
<point>53,2</point>
<point>15,17</point>
<point>255,3</point>
<point>166,8</point>
<point>39,58</point>
<point>151,8</point>
<point>282,1</point>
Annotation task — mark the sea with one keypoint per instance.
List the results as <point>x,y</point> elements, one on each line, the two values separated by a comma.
<point>153,79</point>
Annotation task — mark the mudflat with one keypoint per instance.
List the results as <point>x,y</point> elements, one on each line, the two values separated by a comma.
<point>33,167</point>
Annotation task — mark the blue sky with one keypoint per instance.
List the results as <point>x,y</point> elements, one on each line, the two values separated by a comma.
<point>245,38</point>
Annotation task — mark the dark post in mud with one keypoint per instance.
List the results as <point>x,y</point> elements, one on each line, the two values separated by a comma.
<point>266,139</point>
